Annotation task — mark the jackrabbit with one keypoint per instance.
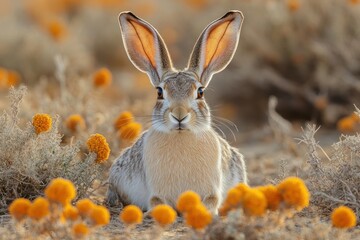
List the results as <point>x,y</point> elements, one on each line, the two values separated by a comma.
<point>181,151</point>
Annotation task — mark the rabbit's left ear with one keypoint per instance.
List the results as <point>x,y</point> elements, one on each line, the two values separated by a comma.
<point>144,46</point>
<point>216,46</point>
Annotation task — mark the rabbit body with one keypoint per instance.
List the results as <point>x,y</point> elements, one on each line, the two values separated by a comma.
<point>165,165</point>
<point>168,164</point>
<point>182,161</point>
<point>181,151</point>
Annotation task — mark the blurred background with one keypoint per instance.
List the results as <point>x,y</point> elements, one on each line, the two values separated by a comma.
<point>304,52</point>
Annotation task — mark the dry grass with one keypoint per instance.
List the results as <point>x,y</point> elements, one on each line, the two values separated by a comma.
<point>334,180</point>
<point>29,160</point>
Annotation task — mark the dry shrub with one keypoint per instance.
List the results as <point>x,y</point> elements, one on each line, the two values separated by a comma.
<point>72,94</point>
<point>238,227</point>
<point>335,180</point>
<point>29,161</point>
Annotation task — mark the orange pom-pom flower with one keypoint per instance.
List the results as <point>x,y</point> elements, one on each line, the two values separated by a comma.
<point>130,131</point>
<point>39,209</point>
<point>41,123</point>
<point>131,214</point>
<point>75,122</point>
<point>56,29</point>
<point>102,77</point>
<point>294,193</point>
<point>199,217</point>
<point>84,207</point>
<point>71,213</point>
<point>123,119</point>
<point>19,207</point>
<point>80,230</point>
<point>254,203</point>
<point>97,143</point>
<point>234,197</point>
<point>187,201</point>
<point>61,191</point>
<point>163,214</point>
<point>343,217</point>
<point>100,216</point>
<point>293,5</point>
<point>272,196</point>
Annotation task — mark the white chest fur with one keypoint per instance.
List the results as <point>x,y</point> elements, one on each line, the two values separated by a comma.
<point>178,162</point>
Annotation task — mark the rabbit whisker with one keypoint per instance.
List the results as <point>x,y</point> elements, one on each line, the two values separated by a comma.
<point>217,121</point>
<point>219,129</point>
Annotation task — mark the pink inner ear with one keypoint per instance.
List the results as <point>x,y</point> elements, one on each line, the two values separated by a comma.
<point>217,42</point>
<point>143,41</point>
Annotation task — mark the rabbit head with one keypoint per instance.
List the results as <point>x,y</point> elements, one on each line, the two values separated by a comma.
<point>181,105</point>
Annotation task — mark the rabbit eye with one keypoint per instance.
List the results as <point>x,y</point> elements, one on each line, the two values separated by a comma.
<point>160,93</point>
<point>200,92</point>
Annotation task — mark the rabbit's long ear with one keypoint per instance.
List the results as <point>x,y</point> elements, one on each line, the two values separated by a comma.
<point>144,46</point>
<point>216,46</point>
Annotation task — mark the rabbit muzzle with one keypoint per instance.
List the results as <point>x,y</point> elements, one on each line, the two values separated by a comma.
<point>179,116</point>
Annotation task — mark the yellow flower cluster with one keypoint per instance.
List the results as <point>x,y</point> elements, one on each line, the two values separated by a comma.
<point>97,143</point>
<point>60,191</point>
<point>80,230</point>
<point>195,213</point>
<point>163,214</point>
<point>75,122</point>
<point>8,78</point>
<point>198,217</point>
<point>254,203</point>
<point>354,1</point>
<point>123,119</point>
<point>39,209</point>
<point>234,198</point>
<point>197,4</point>
<point>131,215</point>
<point>102,77</point>
<point>71,213</point>
<point>131,131</point>
<point>84,206</point>
<point>349,124</point>
<point>343,217</point>
<point>19,208</point>
<point>41,123</point>
<point>44,12</point>
<point>96,214</point>
<point>272,196</point>
<point>100,216</point>
<point>294,193</point>
<point>56,208</point>
<point>56,29</point>
<point>290,193</point>
<point>293,5</point>
<point>128,130</point>
<point>187,201</point>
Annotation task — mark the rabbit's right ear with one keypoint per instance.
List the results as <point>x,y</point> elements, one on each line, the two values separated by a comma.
<point>144,46</point>
<point>216,46</point>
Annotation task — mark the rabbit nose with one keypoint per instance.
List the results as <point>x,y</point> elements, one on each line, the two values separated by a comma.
<point>180,115</point>
<point>181,120</point>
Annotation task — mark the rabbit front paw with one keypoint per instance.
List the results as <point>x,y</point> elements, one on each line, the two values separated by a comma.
<point>155,200</point>
<point>212,203</point>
